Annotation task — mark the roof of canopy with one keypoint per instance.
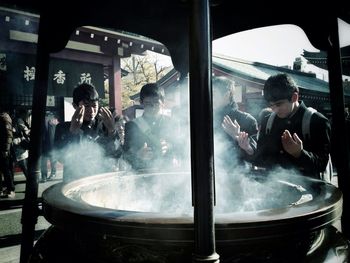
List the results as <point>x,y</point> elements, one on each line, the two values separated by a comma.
<point>167,21</point>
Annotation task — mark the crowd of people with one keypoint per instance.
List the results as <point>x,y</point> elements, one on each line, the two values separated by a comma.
<point>97,140</point>
<point>15,134</point>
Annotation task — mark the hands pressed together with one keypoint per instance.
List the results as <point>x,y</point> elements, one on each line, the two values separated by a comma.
<point>292,144</point>
<point>233,129</point>
<point>147,153</point>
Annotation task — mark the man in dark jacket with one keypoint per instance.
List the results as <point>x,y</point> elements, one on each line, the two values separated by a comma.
<point>84,144</point>
<point>150,140</point>
<point>233,129</point>
<point>284,144</point>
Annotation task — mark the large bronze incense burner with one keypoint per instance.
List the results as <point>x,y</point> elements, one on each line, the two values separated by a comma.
<point>92,221</point>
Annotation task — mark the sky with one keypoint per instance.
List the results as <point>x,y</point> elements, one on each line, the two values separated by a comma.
<point>274,45</point>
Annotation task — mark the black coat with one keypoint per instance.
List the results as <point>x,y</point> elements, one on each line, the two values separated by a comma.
<point>48,136</point>
<point>163,128</point>
<point>87,153</point>
<point>314,157</point>
<point>227,151</point>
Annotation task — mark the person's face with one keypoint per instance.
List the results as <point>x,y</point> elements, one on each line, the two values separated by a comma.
<point>152,106</point>
<point>91,109</point>
<point>220,99</point>
<point>283,108</point>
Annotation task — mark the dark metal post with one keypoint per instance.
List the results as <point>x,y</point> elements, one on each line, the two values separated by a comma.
<point>340,137</point>
<point>30,209</point>
<point>202,149</point>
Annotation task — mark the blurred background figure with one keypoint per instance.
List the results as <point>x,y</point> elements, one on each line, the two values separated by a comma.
<point>119,140</point>
<point>21,139</point>
<point>48,158</point>
<point>6,136</point>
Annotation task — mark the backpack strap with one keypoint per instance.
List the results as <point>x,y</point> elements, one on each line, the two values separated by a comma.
<point>327,174</point>
<point>305,124</point>
<point>270,122</point>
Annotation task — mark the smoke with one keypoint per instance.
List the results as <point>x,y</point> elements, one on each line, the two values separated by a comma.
<point>85,158</point>
<point>238,187</point>
<point>170,193</point>
<point>243,190</point>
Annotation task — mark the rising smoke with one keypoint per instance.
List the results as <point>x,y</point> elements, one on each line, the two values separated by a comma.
<point>237,189</point>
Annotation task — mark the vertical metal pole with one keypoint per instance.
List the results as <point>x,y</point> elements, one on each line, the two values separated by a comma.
<point>340,139</point>
<point>30,207</point>
<point>202,156</point>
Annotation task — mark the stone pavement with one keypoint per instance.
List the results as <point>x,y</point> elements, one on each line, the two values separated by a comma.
<point>10,219</point>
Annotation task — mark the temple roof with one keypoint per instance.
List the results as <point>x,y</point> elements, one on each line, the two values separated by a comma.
<point>257,72</point>
<point>319,59</point>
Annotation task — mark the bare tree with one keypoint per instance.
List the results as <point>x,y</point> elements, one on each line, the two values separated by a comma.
<point>142,69</point>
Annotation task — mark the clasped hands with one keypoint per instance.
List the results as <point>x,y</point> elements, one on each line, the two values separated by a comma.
<point>233,129</point>
<point>147,152</point>
<point>291,144</point>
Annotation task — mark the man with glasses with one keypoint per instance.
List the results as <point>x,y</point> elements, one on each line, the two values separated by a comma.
<point>282,141</point>
<point>150,140</point>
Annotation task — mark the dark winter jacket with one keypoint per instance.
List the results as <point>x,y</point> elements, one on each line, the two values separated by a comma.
<point>140,131</point>
<point>6,134</point>
<point>316,149</point>
<point>227,151</point>
<point>87,153</point>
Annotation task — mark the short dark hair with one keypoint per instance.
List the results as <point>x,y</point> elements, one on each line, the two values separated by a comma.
<point>86,92</point>
<point>152,90</point>
<point>279,87</point>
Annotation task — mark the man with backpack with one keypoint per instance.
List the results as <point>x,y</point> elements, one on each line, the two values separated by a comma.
<point>292,136</point>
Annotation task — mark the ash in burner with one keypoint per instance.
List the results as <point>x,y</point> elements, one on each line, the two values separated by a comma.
<point>171,193</point>
<point>144,193</point>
